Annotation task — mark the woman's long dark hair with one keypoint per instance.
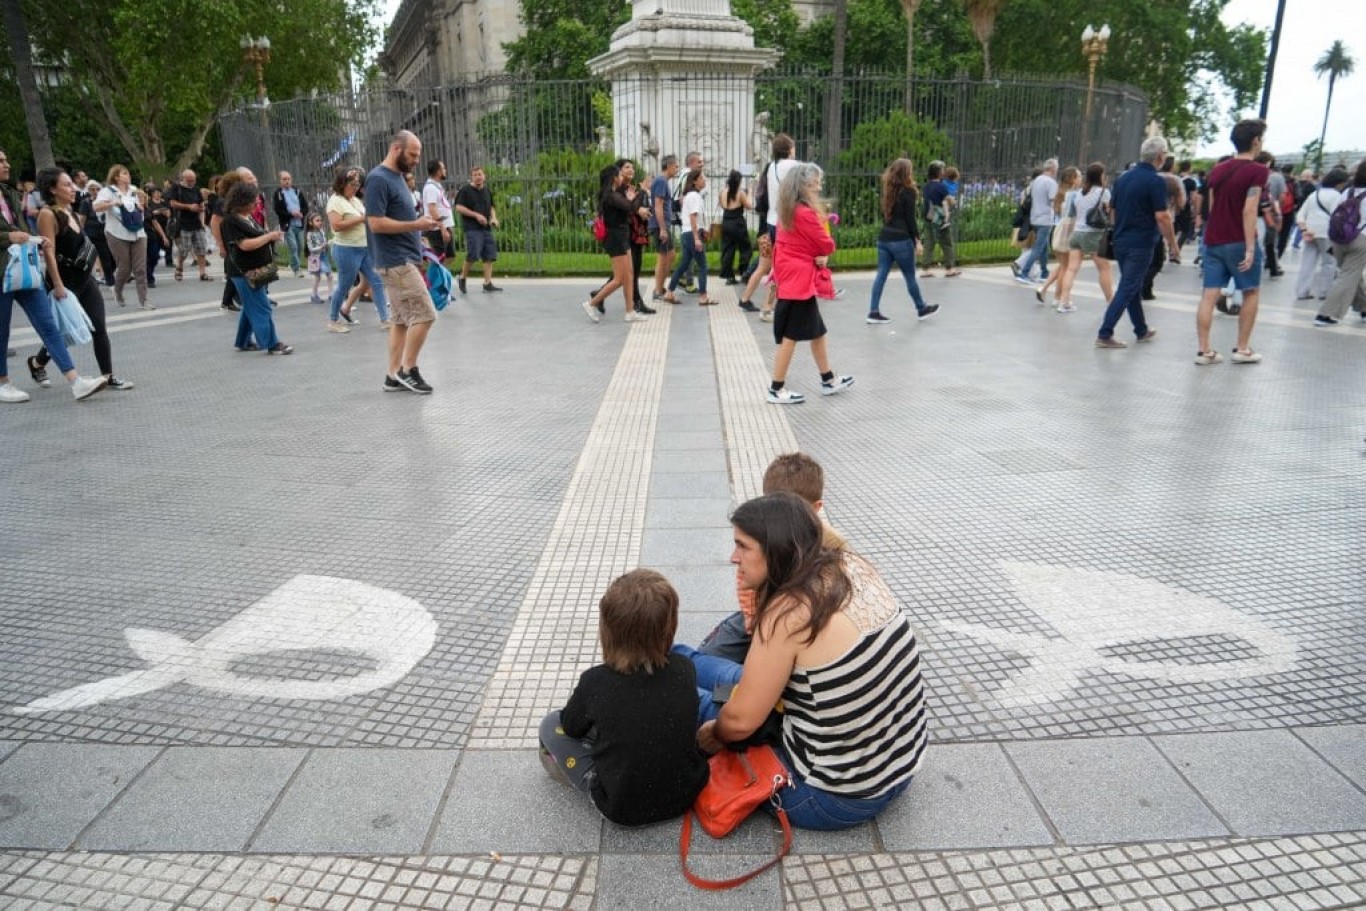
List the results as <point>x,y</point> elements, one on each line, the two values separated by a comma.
<point>607,179</point>
<point>800,568</point>
<point>46,182</point>
<point>733,185</point>
<point>899,176</point>
<point>1095,177</point>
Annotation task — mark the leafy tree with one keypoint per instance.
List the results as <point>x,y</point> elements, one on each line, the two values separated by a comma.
<point>775,23</point>
<point>1178,51</point>
<point>876,144</point>
<point>1337,61</point>
<point>561,36</point>
<point>157,73</point>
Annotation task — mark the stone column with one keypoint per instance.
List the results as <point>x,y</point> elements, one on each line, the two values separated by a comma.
<point>682,74</point>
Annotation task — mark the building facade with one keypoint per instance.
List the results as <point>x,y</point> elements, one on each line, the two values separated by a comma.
<point>441,42</point>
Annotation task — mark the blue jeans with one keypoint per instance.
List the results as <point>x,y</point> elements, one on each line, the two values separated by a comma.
<point>255,318</point>
<point>1039,252</point>
<point>294,240</point>
<point>1133,265</point>
<point>901,252</point>
<point>690,256</point>
<point>807,806</point>
<point>38,306</point>
<point>353,261</point>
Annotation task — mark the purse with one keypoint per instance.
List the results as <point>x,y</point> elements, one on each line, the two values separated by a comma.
<point>261,275</point>
<point>1106,248</point>
<point>599,229</point>
<point>72,321</point>
<point>739,782</point>
<point>24,271</point>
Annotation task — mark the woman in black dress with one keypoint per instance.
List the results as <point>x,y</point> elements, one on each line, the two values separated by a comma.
<point>616,210</point>
<point>734,231</point>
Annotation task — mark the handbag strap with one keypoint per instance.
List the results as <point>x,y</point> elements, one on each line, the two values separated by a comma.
<point>717,885</point>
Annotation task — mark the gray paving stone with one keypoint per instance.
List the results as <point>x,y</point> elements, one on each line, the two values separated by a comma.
<point>504,801</point>
<point>966,795</point>
<point>1112,789</point>
<point>706,484</point>
<point>858,840</point>
<point>1343,745</point>
<point>707,589</point>
<point>704,422</point>
<point>7,747</point>
<point>689,402</point>
<point>684,546</point>
<point>196,799</point>
<point>1266,782</point>
<point>667,440</point>
<point>693,626</point>
<point>49,792</point>
<point>630,882</point>
<point>674,461</point>
<point>359,801</point>
<point>755,835</point>
<point>692,512</point>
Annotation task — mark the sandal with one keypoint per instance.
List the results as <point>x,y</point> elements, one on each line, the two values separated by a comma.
<point>179,276</point>
<point>953,273</point>
<point>205,277</point>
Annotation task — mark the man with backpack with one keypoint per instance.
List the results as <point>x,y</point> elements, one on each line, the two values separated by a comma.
<point>1349,248</point>
<point>1234,192</point>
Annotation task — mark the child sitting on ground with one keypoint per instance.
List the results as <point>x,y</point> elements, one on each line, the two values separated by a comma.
<point>798,473</point>
<point>627,736</point>
<point>318,264</point>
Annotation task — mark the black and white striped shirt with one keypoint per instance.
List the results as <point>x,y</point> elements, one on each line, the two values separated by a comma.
<point>856,726</point>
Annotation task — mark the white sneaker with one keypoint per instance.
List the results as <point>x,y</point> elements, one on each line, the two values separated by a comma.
<point>837,385</point>
<point>785,397</point>
<point>592,311</point>
<point>1066,307</point>
<point>12,394</point>
<point>85,387</point>
<point>338,326</point>
<point>634,317</point>
<point>766,316</point>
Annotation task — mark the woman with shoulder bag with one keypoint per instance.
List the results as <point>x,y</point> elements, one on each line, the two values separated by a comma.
<point>1089,224</point>
<point>248,248</point>
<point>70,268</point>
<point>124,229</point>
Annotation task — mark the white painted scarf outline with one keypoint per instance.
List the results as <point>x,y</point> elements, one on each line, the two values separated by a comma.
<point>1092,610</point>
<point>306,613</point>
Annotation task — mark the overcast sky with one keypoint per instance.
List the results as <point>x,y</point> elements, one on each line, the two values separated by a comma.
<point>1297,97</point>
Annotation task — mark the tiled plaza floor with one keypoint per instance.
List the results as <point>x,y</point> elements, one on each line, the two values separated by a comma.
<point>270,637</point>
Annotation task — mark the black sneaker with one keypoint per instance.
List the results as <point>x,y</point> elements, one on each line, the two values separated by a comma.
<point>280,348</point>
<point>414,381</point>
<point>648,311</point>
<point>929,311</point>
<point>748,307</point>
<point>461,282</point>
<point>393,385</point>
<point>489,288</point>
<point>875,318</point>
<point>1322,320</point>
<point>230,306</point>
<point>122,385</point>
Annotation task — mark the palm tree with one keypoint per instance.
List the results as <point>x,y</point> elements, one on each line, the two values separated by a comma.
<point>21,52</point>
<point>983,15</point>
<point>1336,61</point>
<point>909,7</point>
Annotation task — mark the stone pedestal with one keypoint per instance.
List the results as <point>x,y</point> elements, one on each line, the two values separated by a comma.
<point>682,74</point>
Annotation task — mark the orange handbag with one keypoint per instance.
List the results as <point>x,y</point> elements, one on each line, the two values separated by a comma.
<point>740,781</point>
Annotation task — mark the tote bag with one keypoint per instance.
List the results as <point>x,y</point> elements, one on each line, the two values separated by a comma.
<point>24,271</point>
<point>72,320</point>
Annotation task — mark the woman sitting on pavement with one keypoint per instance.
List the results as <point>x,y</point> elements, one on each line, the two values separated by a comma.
<point>831,642</point>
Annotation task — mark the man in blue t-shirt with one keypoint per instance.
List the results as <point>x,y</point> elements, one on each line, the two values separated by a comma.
<point>1139,200</point>
<point>661,221</point>
<point>395,242</point>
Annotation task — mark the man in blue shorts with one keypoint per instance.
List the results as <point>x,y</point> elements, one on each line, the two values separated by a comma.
<point>1234,190</point>
<point>396,241</point>
<point>478,216</point>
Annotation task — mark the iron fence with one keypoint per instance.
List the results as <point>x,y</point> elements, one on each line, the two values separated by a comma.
<point>543,142</point>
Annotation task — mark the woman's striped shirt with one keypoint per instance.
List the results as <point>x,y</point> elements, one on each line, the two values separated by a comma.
<point>856,726</point>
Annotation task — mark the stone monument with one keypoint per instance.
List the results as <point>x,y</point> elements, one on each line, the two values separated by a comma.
<point>682,74</point>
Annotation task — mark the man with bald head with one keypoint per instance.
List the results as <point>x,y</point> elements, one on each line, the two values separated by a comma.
<point>291,210</point>
<point>187,205</point>
<point>396,228</point>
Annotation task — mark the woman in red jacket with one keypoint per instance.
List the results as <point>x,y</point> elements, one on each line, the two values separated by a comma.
<point>801,250</point>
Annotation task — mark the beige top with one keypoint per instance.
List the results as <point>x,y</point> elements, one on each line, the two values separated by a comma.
<point>351,237</point>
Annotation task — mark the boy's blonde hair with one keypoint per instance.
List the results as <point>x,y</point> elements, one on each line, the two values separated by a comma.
<point>637,619</point>
<point>796,472</point>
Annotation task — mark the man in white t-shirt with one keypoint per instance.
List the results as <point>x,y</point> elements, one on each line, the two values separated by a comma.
<point>437,205</point>
<point>1041,219</point>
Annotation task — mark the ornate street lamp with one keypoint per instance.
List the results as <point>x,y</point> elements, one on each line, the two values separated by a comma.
<point>256,52</point>
<point>1093,45</point>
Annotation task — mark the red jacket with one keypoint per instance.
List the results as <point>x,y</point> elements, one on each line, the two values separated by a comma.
<point>795,252</point>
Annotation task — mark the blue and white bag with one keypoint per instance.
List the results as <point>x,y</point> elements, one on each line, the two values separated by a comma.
<point>24,271</point>
<point>72,321</point>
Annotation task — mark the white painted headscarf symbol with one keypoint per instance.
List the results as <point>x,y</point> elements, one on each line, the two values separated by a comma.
<point>1093,610</point>
<point>306,613</point>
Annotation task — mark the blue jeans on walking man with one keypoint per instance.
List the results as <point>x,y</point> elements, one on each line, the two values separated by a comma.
<point>1133,264</point>
<point>1039,252</point>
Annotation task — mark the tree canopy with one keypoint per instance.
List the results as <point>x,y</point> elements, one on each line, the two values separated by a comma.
<point>156,73</point>
<point>563,35</point>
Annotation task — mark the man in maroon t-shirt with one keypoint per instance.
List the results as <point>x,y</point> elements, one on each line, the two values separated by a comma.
<point>1234,189</point>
